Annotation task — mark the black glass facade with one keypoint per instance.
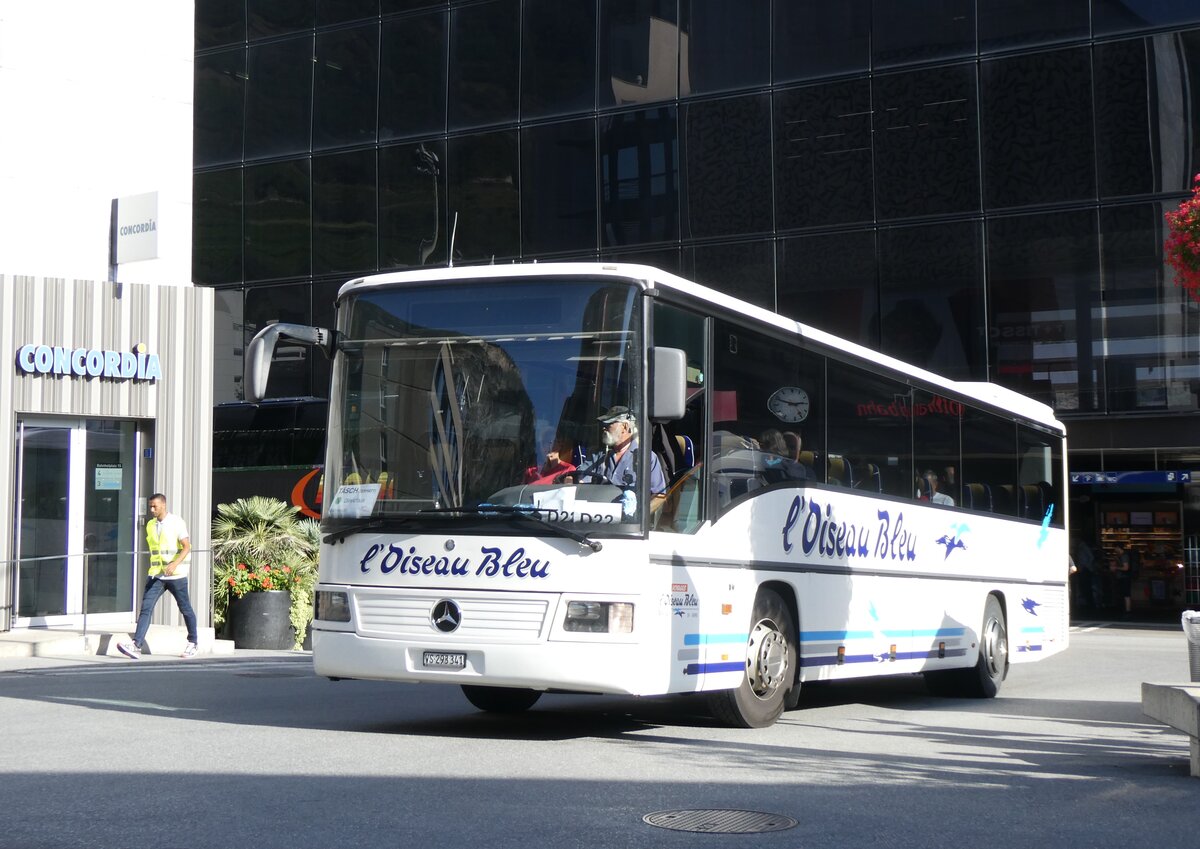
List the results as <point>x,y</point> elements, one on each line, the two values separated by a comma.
<point>977,187</point>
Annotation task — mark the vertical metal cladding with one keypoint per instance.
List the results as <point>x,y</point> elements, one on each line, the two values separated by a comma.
<point>174,324</point>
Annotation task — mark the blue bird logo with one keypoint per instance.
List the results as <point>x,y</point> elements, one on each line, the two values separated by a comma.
<point>1030,605</point>
<point>953,540</point>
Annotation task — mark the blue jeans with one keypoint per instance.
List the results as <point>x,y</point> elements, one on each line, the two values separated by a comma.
<point>155,587</point>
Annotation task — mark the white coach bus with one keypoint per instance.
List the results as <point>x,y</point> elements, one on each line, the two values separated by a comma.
<point>791,508</point>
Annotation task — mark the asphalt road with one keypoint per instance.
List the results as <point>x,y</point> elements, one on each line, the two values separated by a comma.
<point>257,752</point>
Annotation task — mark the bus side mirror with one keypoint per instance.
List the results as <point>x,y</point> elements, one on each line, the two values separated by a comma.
<point>668,384</point>
<point>262,350</point>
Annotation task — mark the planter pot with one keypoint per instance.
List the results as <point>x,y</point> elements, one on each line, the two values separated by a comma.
<point>260,621</point>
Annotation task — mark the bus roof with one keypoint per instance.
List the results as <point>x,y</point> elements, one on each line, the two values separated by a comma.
<point>989,393</point>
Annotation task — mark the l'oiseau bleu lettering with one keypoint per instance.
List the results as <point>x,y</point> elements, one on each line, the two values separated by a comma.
<point>828,536</point>
<point>495,561</point>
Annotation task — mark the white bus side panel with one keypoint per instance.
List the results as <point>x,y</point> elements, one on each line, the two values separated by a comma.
<point>880,587</point>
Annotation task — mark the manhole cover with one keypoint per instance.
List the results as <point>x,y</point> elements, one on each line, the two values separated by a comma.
<point>719,821</point>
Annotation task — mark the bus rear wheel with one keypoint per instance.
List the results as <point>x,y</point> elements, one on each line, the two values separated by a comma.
<point>770,668</point>
<point>981,681</point>
<point>501,699</point>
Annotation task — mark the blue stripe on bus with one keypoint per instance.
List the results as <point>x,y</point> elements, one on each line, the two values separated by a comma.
<point>1029,648</point>
<point>826,636</point>
<point>709,639</point>
<point>832,660</point>
<point>834,636</point>
<point>701,668</point>
<point>1036,629</point>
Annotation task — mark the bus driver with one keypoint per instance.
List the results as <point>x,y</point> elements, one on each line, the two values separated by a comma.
<point>618,462</point>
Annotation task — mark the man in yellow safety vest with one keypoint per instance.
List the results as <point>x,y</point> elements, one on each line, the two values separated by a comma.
<point>170,547</point>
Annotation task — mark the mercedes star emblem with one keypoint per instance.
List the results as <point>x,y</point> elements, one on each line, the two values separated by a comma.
<point>446,616</point>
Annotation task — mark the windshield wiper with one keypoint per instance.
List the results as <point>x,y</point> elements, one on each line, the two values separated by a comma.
<point>521,511</point>
<point>369,525</point>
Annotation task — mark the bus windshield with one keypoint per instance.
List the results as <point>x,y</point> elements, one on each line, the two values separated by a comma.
<point>475,402</point>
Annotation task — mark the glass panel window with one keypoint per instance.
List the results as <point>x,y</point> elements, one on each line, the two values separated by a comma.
<point>279,17</point>
<point>744,270</point>
<point>939,29</point>
<point>724,45</point>
<point>412,75</point>
<point>1044,314</point>
<point>1037,128</point>
<point>726,152</point>
<point>278,235</point>
<point>412,205</point>
<point>989,463</point>
<point>217,226</point>
<point>1114,16</point>
<point>932,297</point>
<point>816,38</point>
<point>220,92</point>
<point>265,305</point>
<point>279,98</point>
<point>926,144</point>
<point>639,52</point>
<point>220,22</point>
<point>823,155</point>
<point>388,6</point>
<point>344,87</point>
<point>1145,141</point>
<point>558,187</point>
<point>768,414</point>
<point>1153,327</point>
<point>344,212</point>
<point>870,432</point>
<point>639,177</point>
<point>482,175</point>
<point>667,259</point>
<point>229,341</point>
<point>558,58</point>
<point>937,448</point>
<point>339,11</point>
<point>830,281</point>
<point>484,64</point>
<point>1008,24</point>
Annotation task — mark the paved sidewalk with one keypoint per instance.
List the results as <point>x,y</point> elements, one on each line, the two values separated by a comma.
<point>30,648</point>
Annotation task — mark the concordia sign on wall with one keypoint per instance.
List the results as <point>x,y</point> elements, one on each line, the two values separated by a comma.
<point>89,362</point>
<point>136,231</point>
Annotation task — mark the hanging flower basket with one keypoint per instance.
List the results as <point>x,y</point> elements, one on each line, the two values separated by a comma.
<point>1182,248</point>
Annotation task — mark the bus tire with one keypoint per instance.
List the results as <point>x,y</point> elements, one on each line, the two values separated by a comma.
<point>981,681</point>
<point>501,699</point>
<point>770,668</point>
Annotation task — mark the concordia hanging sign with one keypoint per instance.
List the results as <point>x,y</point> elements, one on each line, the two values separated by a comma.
<point>90,362</point>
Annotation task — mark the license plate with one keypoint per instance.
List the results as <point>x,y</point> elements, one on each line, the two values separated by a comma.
<point>445,659</point>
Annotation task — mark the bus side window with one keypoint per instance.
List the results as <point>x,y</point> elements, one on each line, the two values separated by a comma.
<point>870,432</point>
<point>680,444</point>
<point>1040,474</point>
<point>989,467</point>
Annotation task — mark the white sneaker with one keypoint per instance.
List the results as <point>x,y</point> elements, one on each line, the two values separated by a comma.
<point>189,650</point>
<point>130,650</point>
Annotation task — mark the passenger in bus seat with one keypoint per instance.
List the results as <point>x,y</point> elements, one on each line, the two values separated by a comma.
<point>777,462</point>
<point>558,462</point>
<point>933,482</point>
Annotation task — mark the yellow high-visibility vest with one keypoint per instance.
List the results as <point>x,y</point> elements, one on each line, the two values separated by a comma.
<point>163,548</point>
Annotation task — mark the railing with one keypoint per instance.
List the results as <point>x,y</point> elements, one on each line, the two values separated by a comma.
<point>14,569</point>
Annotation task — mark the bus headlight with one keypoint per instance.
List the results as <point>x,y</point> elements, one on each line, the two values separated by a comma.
<point>599,617</point>
<point>332,606</point>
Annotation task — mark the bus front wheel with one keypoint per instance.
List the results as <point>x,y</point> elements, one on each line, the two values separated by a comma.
<point>770,668</point>
<point>981,681</point>
<point>501,699</point>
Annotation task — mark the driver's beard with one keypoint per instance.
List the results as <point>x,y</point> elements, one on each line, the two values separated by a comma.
<point>607,439</point>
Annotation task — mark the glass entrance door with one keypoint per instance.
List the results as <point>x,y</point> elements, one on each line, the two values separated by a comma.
<point>77,489</point>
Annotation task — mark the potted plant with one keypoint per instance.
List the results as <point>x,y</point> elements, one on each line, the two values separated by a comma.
<point>1182,248</point>
<point>264,572</point>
